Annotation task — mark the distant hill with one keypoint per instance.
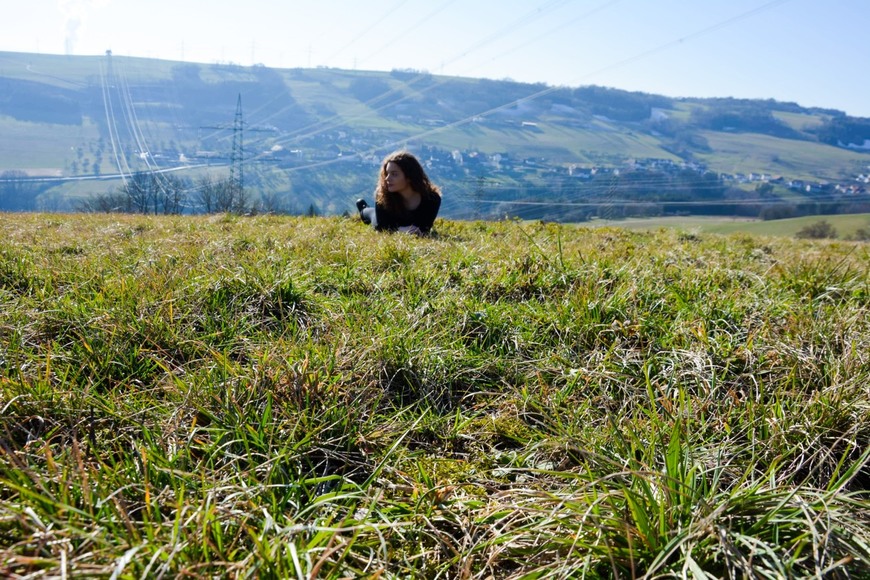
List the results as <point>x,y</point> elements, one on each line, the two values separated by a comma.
<point>311,140</point>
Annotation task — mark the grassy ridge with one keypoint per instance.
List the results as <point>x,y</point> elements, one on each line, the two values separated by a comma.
<point>294,397</point>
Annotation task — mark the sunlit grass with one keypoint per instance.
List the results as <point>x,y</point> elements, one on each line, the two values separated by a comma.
<point>304,397</point>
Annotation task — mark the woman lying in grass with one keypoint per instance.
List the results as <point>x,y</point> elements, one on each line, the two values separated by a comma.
<point>405,199</point>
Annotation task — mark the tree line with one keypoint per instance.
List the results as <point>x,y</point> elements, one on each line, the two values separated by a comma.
<point>166,194</point>
<point>18,192</point>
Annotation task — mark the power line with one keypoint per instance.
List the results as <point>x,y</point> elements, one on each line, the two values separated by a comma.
<point>409,29</point>
<point>533,96</point>
<point>106,81</point>
<point>366,107</point>
<point>550,31</point>
<point>365,30</point>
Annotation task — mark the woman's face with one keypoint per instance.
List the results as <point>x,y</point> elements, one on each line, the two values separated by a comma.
<point>395,179</point>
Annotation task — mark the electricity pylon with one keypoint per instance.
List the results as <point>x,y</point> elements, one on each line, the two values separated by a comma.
<point>237,157</point>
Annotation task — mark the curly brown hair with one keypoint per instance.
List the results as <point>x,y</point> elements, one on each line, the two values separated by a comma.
<point>414,173</point>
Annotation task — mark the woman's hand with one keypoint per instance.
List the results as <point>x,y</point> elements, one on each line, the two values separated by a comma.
<point>411,230</point>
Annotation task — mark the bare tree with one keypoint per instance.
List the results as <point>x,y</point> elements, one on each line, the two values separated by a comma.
<point>146,193</point>
<point>271,203</point>
<point>140,192</point>
<point>18,192</point>
<point>221,196</point>
<point>112,202</point>
<point>173,193</point>
<point>206,193</point>
<point>233,199</point>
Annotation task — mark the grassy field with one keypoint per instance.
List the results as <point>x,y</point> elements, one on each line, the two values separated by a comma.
<point>279,397</point>
<point>25,148</point>
<point>846,225</point>
<point>799,121</point>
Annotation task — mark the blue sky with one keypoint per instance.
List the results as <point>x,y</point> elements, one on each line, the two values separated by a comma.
<point>812,52</point>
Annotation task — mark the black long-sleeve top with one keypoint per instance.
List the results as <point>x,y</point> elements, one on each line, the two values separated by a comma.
<point>423,216</point>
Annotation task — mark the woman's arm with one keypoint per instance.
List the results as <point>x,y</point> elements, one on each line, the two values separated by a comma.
<point>428,213</point>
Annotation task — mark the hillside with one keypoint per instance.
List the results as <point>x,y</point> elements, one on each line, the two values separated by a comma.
<point>312,139</point>
<point>290,397</point>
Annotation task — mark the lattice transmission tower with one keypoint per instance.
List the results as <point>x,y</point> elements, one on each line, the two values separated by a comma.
<point>237,157</point>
